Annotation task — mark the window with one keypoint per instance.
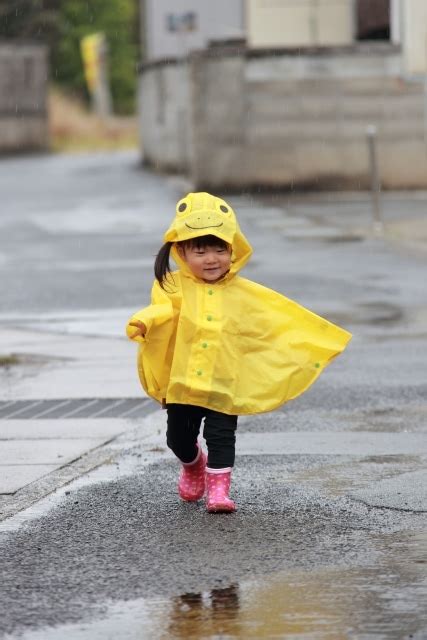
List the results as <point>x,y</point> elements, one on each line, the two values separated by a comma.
<point>373,19</point>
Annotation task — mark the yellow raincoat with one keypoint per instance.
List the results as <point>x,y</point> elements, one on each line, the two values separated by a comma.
<point>234,346</point>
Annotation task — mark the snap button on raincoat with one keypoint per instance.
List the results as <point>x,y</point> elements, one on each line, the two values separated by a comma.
<point>235,346</point>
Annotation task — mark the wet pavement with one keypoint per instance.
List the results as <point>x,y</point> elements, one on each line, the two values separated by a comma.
<point>125,559</point>
<point>329,540</point>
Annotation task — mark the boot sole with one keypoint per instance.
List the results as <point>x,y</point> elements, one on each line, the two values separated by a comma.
<point>218,508</point>
<point>191,499</point>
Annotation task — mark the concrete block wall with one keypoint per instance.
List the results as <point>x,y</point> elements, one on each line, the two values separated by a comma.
<point>23,97</point>
<point>165,116</point>
<point>277,120</point>
<point>218,112</point>
<point>307,125</point>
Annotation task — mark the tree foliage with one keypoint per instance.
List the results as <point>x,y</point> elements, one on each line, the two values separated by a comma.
<point>62,24</point>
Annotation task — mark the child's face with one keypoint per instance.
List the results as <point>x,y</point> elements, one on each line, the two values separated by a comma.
<point>208,263</point>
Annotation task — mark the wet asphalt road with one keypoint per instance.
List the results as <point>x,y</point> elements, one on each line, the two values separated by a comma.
<point>81,235</point>
<point>132,539</point>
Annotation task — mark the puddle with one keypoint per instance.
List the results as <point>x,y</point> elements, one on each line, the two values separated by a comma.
<point>373,313</point>
<point>390,420</point>
<point>346,238</point>
<point>319,234</point>
<point>384,601</point>
<point>340,478</point>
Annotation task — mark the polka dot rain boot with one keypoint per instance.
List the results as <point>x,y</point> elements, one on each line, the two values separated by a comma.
<point>218,485</point>
<point>192,479</point>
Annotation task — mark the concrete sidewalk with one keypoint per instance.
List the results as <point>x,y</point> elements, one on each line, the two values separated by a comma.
<point>75,358</point>
<point>53,380</point>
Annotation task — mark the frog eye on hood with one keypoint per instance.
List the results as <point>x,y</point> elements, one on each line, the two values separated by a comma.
<point>182,208</point>
<point>224,209</point>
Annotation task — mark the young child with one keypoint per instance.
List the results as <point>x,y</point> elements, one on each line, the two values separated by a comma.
<point>214,345</point>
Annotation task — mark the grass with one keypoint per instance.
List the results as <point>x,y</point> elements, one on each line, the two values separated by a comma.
<point>73,128</point>
<point>9,360</point>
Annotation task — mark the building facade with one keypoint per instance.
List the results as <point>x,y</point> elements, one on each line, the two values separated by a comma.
<point>311,23</point>
<point>296,23</point>
<point>174,28</point>
<point>275,113</point>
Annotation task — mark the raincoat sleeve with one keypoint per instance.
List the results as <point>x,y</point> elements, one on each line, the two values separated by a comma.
<point>157,313</point>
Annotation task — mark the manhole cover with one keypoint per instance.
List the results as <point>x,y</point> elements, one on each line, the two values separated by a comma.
<point>74,408</point>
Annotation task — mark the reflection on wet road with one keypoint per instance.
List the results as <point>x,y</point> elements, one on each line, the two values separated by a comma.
<point>385,599</point>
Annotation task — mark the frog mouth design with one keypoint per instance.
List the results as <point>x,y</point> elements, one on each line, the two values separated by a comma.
<point>211,226</point>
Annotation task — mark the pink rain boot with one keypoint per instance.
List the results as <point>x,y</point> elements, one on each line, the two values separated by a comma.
<point>192,481</point>
<point>218,486</point>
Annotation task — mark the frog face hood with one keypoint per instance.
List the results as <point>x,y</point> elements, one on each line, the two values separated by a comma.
<point>201,214</point>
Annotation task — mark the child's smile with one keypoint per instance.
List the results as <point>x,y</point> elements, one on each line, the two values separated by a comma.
<point>209,263</point>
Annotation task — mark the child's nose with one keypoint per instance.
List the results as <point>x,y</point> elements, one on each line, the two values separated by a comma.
<point>211,256</point>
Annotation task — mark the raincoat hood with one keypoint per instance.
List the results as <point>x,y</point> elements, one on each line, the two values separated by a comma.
<point>202,214</point>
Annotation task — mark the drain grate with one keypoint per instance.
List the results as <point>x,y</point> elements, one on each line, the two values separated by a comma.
<point>74,408</point>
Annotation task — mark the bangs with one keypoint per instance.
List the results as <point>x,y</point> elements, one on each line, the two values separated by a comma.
<point>204,241</point>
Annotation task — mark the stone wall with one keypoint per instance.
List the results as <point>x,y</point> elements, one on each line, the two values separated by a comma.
<point>23,97</point>
<point>277,119</point>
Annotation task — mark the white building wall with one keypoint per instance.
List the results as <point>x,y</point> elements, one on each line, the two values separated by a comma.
<point>396,15</point>
<point>414,36</point>
<point>289,23</point>
<point>221,19</point>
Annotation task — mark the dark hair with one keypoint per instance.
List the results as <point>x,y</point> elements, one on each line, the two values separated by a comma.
<point>162,268</point>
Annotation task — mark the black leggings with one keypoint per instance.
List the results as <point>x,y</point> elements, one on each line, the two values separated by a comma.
<point>219,431</point>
